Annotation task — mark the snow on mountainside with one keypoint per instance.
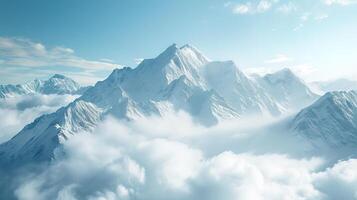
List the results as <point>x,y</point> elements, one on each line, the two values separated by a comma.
<point>178,79</point>
<point>57,84</point>
<point>287,89</point>
<point>331,120</point>
<point>173,79</point>
<point>238,90</point>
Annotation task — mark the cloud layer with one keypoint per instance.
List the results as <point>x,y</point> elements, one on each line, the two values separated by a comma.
<point>150,159</point>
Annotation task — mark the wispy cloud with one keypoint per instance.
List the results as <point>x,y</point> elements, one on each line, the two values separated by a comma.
<point>255,7</point>
<point>264,6</point>
<point>242,8</point>
<point>308,17</point>
<point>23,59</point>
<point>26,53</point>
<point>287,7</point>
<point>280,58</point>
<point>250,7</point>
<point>340,2</point>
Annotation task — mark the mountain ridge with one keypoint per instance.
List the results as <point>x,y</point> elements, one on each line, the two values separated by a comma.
<point>177,79</point>
<point>331,120</point>
<point>56,84</point>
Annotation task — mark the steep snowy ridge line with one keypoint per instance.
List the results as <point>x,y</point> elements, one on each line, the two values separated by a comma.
<point>331,120</point>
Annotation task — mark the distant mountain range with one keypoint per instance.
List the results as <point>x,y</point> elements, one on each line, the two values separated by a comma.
<point>57,84</point>
<point>335,85</point>
<point>180,78</point>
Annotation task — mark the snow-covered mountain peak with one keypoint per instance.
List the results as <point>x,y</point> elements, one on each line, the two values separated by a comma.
<point>169,52</point>
<point>332,119</point>
<point>243,94</point>
<point>60,84</point>
<point>188,46</point>
<point>152,76</point>
<point>58,76</point>
<point>288,89</point>
<point>117,74</point>
<point>185,55</point>
<point>282,75</point>
<point>189,49</point>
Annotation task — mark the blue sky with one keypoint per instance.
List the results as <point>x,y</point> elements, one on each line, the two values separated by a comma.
<point>87,39</point>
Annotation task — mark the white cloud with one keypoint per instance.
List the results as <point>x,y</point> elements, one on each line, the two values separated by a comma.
<point>250,7</point>
<point>26,53</point>
<point>264,6</point>
<point>246,176</point>
<point>339,181</point>
<point>107,60</point>
<point>280,58</point>
<point>287,7</point>
<point>242,9</point>
<point>340,2</point>
<point>121,160</point>
<point>25,60</point>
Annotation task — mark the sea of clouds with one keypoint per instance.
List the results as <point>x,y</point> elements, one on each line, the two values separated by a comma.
<point>174,158</point>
